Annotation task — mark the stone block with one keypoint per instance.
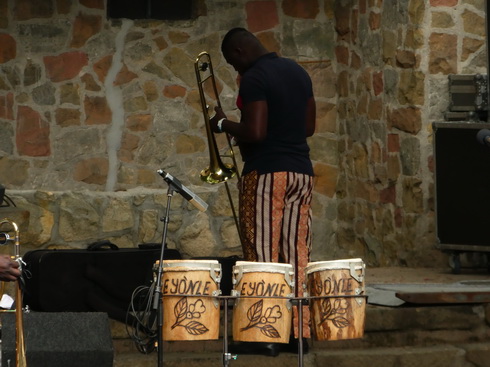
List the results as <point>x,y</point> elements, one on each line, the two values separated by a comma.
<point>32,139</point>
<point>406,119</point>
<point>473,23</point>
<point>443,54</point>
<point>261,15</point>
<point>84,27</point>
<point>6,106</point>
<point>9,48</point>
<point>19,216</point>
<point>65,66</point>
<point>325,181</point>
<point>31,9</point>
<point>478,354</point>
<point>97,111</point>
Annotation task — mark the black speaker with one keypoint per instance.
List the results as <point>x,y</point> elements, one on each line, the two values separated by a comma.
<point>462,177</point>
<point>64,339</point>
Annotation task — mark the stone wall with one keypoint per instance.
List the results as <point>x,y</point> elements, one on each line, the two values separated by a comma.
<point>91,107</point>
<point>393,62</point>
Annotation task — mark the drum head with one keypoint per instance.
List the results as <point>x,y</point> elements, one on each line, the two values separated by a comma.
<point>358,264</point>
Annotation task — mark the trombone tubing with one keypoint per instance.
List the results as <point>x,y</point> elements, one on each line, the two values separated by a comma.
<point>20,349</point>
<point>217,171</point>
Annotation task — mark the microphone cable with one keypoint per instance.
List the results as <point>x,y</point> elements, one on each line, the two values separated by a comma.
<point>141,320</point>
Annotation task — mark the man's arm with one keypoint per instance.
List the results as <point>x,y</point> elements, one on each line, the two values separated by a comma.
<point>252,126</point>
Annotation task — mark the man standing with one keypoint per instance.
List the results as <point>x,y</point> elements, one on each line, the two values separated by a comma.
<point>277,115</point>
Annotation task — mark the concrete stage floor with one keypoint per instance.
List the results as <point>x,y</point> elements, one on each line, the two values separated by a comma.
<point>403,275</point>
<point>396,286</point>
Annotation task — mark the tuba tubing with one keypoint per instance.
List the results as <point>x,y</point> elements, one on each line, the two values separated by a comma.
<point>20,350</point>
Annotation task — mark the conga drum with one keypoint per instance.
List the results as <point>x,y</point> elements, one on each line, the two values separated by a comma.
<point>262,310</point>
<point>190,290</point>
<point>336,312</point>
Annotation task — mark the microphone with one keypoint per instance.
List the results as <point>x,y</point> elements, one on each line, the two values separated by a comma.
<point>483,137</point>
<point>184,191</point>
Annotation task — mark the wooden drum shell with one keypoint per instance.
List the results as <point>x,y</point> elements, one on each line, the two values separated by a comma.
<point>262,310</point>
<point>190,291</point>
<point>336,314</point>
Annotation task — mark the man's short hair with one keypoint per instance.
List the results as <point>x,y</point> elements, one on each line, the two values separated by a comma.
<point>235,35</point>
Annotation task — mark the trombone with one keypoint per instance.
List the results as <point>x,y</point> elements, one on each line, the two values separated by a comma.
<point>20,350</point>
<point>217,171</point>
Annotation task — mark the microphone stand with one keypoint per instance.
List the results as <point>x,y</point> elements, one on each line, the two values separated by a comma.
<point>157,298</point>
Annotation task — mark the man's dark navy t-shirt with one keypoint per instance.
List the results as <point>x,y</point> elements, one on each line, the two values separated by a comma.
<point>286,87</point>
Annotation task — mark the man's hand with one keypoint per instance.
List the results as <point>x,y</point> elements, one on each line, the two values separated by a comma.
<point>9,269</point>
<point>214,120</point>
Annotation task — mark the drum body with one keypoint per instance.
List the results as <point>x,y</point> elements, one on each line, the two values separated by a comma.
<point>336,313</point>
<point>262,310</point>
<point>190,290</point>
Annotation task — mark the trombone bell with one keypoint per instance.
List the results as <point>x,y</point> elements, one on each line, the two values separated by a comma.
<point>221,174</point>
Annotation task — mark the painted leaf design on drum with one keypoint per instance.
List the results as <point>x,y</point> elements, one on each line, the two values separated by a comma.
<point>183,311</point>
<point>270,331</point>
<point>254,313</point>
<point>331,312</point>
<point>195,328</point>
<point>340,322</point>
<point>326,309</point>
<point>263,321</point>
<point>180,311</point>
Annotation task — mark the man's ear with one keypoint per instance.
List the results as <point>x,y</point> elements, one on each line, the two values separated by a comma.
<point>238,51</point>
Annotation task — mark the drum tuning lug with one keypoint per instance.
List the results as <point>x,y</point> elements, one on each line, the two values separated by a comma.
<point>358,292</point>
<point>216,294</point>
<point>236,294</point>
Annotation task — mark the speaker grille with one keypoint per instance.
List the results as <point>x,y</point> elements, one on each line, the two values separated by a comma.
<point>60,339</point>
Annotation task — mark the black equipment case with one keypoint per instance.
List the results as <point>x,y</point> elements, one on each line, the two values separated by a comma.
<point>99,279</point>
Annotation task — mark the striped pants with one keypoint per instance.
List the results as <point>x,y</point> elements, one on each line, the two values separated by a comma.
<point>275,224</point>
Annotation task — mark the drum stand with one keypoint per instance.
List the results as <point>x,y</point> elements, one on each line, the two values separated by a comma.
<point>227,357</point>
<point>157,298</point>
<point>300,331</point>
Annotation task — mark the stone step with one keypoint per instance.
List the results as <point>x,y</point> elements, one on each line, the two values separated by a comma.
<point>405,336</point>
<point>474,354</point>
<point>385,326</point>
